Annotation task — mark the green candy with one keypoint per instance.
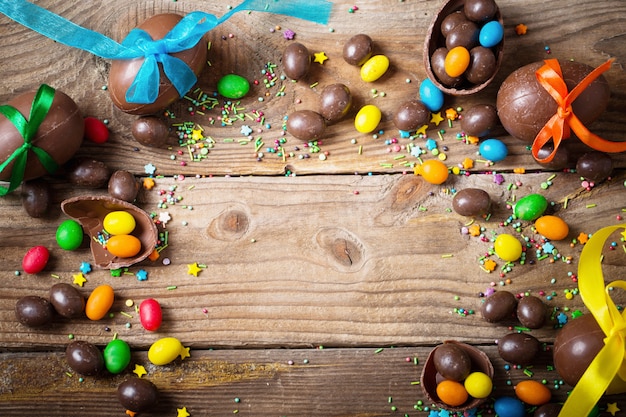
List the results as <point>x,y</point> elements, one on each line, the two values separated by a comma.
<point>530,207</point>
<point>233,86</point>
<point>116,356</point>
<point>69,235</point>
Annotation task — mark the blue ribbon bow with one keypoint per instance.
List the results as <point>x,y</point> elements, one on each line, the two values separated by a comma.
<point>138,44</point>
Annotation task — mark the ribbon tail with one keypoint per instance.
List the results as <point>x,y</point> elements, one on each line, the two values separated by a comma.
<point>594,141</point>
<point>145,87</point>
<point>181,76</point>
<point>17,173</point>
<point>317,11</point>
<point>550,130</point>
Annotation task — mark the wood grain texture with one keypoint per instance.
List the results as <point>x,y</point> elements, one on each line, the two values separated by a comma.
<point>351,252</point>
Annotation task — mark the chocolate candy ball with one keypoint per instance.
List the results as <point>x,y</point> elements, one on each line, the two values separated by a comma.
<point>465,34</point>
<point>575,346</point>
<point>471,202</point>
<point>296,61</point>
<point>124,186</point>
<point>358,49</point>
<point>482,65</point>
<point>137,394</point>
<point>595,166</point>
<point>150,131</point>
<point>480,10</point>
<point>335,102</point>
<point>519,348</point>
<point>452,362</point>
<point>411,115</point>
<point>524,106</point>
<point>33,311</point>
<point>84,358</point>
<point>123,72</point>
<point>306,124</point>
<point>548,410</point>
<point>532,312</point>
<point>67,300</point>
<point>499,306</point>
<point>36,196</point>
<point>479,120</point>
<point>86,172</point>
<point>451,21</point>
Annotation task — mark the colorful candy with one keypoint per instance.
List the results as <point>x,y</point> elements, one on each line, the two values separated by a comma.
<point>478,385</point>
<point>530,207</point>
<point>456,62</point>
<point>99,302</point>
<point>367,118</point>
<point>509,407</point>
<point>123,246</point>
<point>533,392</point>
<point>150,314</point>
<point>431,96</point>
<point>233,86</point>
<point>165,350</point>
<point>374,68</point>
<point>35,260</point>
<point>552,227</point>
<point>69,235</point>
<point>493,150</point>
<point>507,247</point>
<point>119,223</point>
<point>116,356</point>
<point>491,34</point>
<point>452,393</point>
<point>96,130</point>
<point>433,170</point>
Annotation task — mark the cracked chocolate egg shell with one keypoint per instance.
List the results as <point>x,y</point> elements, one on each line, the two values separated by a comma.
<point>90,212</point>
<point>123,72</point>
<point>524,106</point>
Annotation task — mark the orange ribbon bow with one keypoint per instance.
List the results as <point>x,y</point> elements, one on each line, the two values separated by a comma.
<point>558,127</point>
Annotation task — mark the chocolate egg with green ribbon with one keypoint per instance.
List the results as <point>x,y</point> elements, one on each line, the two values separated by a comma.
<point>124,73</point>
<point>39,131</point>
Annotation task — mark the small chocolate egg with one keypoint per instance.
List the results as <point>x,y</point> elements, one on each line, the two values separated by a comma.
<point>482,65</point>
<point>438,64</point>
<point>306,124</point>
<point>575,346</point>
<point>296,61</point>
<point>411,115</point>
<point>452,362</point>
<point>36,197</point>
<point>150,131</point>
<point>137,394</point>
<point>479,120</point>
<point>480,10</point>
<point>34,311</point>
<point>465,34</point>
<point>519,348</point>
<point>471,202</point>
<point>560,160</point>
<point>335,102</point>
<point>67,300</point>
<point>532,312</point>
<point>358,49</point>
<point>84,357</point>
<point>524,106</point>
<point>499,306</point>
<point>123,72</point>
<point>123,185</point>
<point>548,410</point>
<point>87,172</point>
<point>595,166</point>
<point>451,21</point>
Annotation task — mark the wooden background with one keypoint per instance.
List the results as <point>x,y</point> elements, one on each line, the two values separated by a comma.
<point>325,280</point>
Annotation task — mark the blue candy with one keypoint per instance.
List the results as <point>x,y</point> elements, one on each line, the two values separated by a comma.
<point>509,407</point>
<point>491,34</point>
<point>431,96</point>
<point>493,150</point>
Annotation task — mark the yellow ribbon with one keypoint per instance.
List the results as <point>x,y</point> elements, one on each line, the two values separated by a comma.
<point>607,371</point>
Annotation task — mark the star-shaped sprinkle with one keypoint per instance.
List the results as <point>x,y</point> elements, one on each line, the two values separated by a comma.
<point>246,130</point>
<point>468,163</point>
<point>320,57</point>
<point>612,408</point>
<point>131,413</point>
<point>196,134</point>
<point>193,269</point>
<point>79,279</point>
<point>405,134</point>
<point>422,130</point>
<point>116,272</point>
<point>521,29</point>
<point>436,118</point>
<point>149,169</point>
<point>164,217</point>
<point>547,247</point>
<point>142,275</point>
<point>583,238</point>
<point>184,353</point>
<point>182,412</point>
<point>289,34</point>
<point>85,268</point>
<point>148,183</point>
<point>452,114</point>
<point>140,370</point>
<point>490,265</point>
<point>416,151</point>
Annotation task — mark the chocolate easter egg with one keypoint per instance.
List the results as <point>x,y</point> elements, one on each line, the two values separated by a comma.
<point>123,72</point>
<point>524,106</point>
<point>60,134</point>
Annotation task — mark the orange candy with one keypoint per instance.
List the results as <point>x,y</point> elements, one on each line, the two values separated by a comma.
<point>552,227</point>
<point>434,171</point>
<point>452,392</point>
<point>533,392</point>
<point>123,246</point>
<point>456,62</point>
<point>99,302</point>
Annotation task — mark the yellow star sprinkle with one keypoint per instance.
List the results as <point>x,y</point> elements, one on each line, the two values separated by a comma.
<point>612,408</point>
<point>196,134</point>
<point>182,412</point>
<point>320,57</point>
<point>436,118</point>
<point>193,269</point>
<point>79,279</point>
<point>140,370</point>
<point>421,130</point>
<point>184,353</point>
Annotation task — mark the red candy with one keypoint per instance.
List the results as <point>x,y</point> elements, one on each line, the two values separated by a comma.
<point>95,130</point>
<point>35,259</point>
<point>150,314</point>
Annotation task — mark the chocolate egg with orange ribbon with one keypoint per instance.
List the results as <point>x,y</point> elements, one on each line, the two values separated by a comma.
<point>123,72</point>
<point>524,106</point>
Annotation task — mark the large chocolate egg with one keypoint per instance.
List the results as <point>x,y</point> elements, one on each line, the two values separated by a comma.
<point>524,106</point>
<point>123,72</point>
<point>60,134</point>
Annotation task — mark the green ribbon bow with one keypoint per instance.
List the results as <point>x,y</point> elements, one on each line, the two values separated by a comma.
<point>28,129</point>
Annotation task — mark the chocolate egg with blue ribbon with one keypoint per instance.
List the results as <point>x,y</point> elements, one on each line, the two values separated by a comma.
<point>59,134</point>
<point>123,72</point>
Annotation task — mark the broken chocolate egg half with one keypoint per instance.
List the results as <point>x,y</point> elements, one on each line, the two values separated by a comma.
<point>90,212</point>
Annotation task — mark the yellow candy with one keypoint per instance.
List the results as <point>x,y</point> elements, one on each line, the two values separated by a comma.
<point>367,118</point>
<point>165,350</point>
<point>478,385</point>
<point>374,68</point>
<point>123,246</point>
<point>507,247</point>
<point>456,62</point>
<point>552,227</point>
<point>119,223</point>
